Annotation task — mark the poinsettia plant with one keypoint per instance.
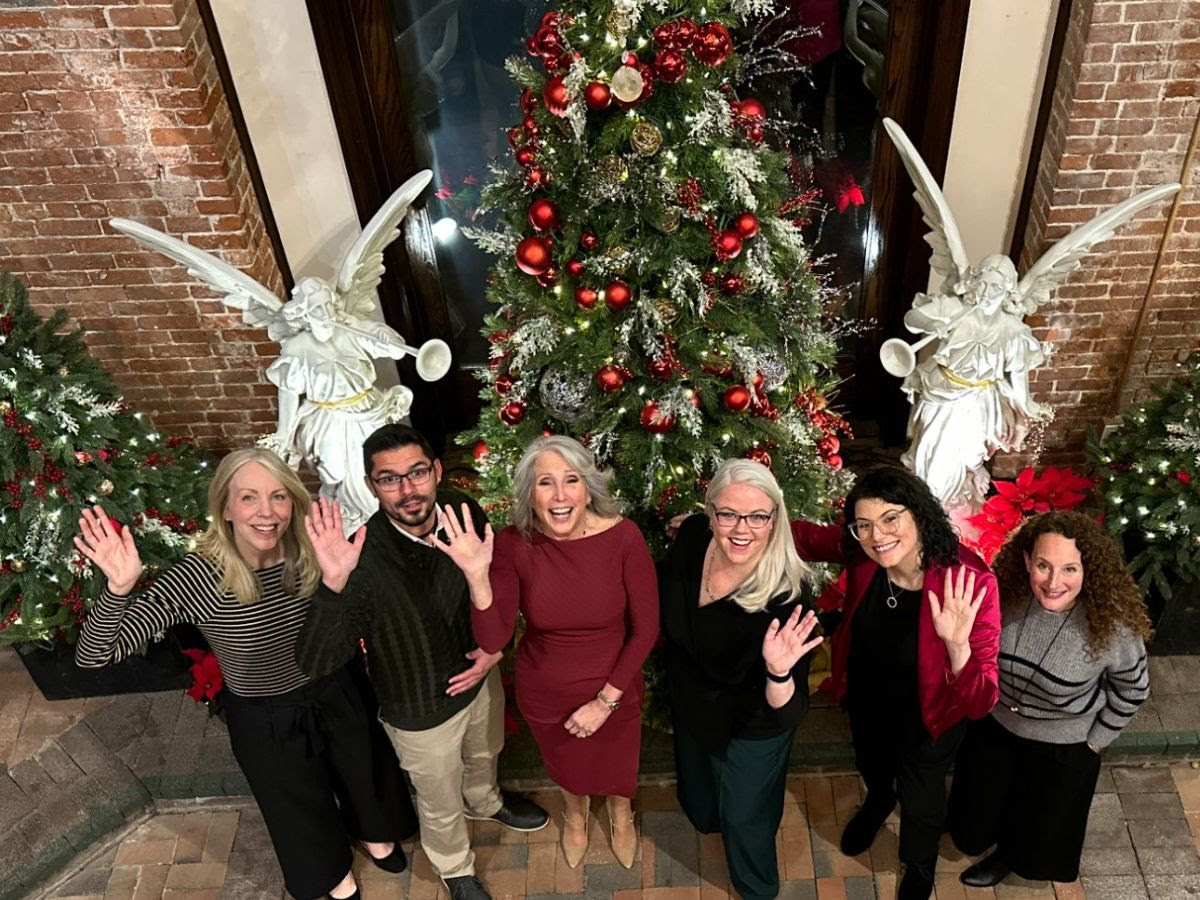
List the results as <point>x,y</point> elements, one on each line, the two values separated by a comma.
<point>207,679</point>
<point>1028,494</point>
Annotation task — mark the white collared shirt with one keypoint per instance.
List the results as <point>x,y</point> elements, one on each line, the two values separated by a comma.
<point>429,538</point>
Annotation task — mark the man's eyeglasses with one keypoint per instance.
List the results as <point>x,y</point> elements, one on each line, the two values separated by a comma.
<point>888,524</point>
<point>727,519</point>
<point>392,482</point>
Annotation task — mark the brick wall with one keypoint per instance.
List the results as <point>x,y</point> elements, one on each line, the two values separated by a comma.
<point>111,108</point>
<point>1126,99</point>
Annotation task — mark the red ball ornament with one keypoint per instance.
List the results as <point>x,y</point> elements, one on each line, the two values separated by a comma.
<point>666,35</point>
<point>834,462</point>
<point>529,101</point>
<point>549,278</point>
<point>526,156</point>
<point>755,134</point>
<point>670,66</point>
<point>504,383</point>
<point>512,413</point>
<point>530,126</point>
<point>746,225</point>
<point>828,445</point>
<point>732,284</point>
<point>597,95</point>
<point>610,378</point>
<point>617,295</point>
<point>574,268</point>
<point>537,177</point>
<point>586,298</point>
<point>727,244</point>
<point>708,279</point>
<point>660,369</point>
<point>759,455</point>
<point>479,450</point>
<point>533,255</point>
<point>556,96</point>
<point>737,398</point>
<point>713,44</point>
<point>588,241</point>
<point>686,33</point>
<point>751,108</point>
<point>543,215</point>
<point>654,421</point>
<point>1183,477</point>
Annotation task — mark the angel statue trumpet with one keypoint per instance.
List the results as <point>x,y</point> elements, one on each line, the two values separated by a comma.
<point>970,395</point>
<point>328,402</point>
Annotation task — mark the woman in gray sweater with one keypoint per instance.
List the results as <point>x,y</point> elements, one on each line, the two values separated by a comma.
<point>1072,673</point>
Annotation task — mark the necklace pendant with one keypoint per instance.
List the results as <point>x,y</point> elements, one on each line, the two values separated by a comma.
<point>891,602</point>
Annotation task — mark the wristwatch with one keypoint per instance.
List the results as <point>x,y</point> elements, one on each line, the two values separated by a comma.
<point>613,705</point>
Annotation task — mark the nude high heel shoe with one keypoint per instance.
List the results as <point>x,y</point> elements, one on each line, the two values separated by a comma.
<point>574,855</point>
<point>625,851</point>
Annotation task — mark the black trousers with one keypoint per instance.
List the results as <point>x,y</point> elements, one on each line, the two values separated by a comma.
<point>898,758</point>
<point>739,795</point>
<point>1029,798</point>
<point>323,773</point>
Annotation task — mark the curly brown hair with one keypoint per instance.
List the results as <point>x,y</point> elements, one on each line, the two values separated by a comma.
<point>1109,597</point>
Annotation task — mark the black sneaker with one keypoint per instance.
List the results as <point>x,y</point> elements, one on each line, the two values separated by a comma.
<point>517,813</point>
<point>917,883</point>
<point>864,825</point>
<point>466,887</point>
<point>988,872</point>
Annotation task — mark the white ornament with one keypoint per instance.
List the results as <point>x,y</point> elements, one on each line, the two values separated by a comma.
<point>627,84</point>
<point>970,395</point>
<point>328,402</point>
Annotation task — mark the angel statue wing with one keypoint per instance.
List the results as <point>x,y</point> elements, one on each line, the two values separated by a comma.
<point>362,269</point>
<point>1052,268</point>
<point>258,305</point>
<point>949,258</point>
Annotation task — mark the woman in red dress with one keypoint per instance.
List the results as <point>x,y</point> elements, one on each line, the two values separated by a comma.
<point>582,577</point>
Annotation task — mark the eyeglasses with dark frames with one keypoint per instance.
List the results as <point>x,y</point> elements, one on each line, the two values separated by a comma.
<point>728,519</point>
<point>392,481</point>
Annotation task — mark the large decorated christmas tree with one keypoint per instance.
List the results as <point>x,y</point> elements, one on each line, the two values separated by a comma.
<point>69,440</point>
<point>655,296</point>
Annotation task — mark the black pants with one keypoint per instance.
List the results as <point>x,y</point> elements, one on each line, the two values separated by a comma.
<point>739,795</point>
<point>323,773</point>
<point>1029,798</point>
<point>897,757</point>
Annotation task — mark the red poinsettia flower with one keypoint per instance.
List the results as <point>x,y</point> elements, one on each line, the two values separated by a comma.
<point>207,680</point>
<point>849,194</point>
<point>445,192</point>
<point>1020,492</point>
<point>834,595</point>
<point>1063,488</point>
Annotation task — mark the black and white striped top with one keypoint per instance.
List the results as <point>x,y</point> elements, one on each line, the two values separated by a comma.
<point>1052,690</point>
<point>255,645</point>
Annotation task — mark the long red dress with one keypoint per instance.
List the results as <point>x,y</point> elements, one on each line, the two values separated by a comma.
<point>591,616</point>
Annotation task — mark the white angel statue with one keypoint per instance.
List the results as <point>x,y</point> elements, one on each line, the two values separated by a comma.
<point>970,395</point>
<point>328,401</point>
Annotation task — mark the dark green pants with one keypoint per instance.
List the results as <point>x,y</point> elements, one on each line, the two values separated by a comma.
<point>740,796</point>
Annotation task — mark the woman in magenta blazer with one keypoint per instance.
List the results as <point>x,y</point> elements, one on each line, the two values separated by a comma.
<point>914,656</point>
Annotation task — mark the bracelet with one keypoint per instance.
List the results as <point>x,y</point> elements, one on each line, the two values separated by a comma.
<point>779,679</point>
<point>612,705</point>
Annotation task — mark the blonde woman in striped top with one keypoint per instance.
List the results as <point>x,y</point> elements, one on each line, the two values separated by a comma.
<point>313,754</point>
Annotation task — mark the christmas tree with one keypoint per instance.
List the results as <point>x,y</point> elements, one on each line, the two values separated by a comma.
<point>69,440</point>
<point>655,296</point>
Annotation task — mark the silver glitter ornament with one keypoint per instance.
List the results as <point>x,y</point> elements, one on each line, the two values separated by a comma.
<point>773,370</point>
<point>565,394</point>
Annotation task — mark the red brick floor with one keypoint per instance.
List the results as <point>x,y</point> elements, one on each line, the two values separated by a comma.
<point>1143,842</point>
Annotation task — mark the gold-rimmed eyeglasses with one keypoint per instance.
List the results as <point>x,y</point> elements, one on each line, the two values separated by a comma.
<point>888,524</point>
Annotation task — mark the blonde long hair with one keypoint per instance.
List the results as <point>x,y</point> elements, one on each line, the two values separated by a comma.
<point>301,573</point>
<point>780,568</point>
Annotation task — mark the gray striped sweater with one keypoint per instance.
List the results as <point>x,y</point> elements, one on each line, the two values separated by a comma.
<point>1053,690</point>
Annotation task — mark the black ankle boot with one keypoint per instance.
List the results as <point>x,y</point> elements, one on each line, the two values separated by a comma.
<point>860,831</point>
<point>988,872</point>
<point>917,883</point>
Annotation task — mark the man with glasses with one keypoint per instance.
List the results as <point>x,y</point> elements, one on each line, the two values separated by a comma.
<point>441,702</point>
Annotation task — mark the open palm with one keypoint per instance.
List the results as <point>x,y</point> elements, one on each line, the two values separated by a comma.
<point>336,555</point>
<point>784,645</point>
<point>111,549</point>
<point>954,615</point>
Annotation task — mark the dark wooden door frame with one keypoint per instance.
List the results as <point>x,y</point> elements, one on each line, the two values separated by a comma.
<point>923,58</point>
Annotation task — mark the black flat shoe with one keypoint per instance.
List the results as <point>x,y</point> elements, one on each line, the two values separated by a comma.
<point>863,826</point>
<point>355,896</point>
<point>394,862</point>
<point>988,872</point>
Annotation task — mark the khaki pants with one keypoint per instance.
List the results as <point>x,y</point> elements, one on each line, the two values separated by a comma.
<point>453,768</point>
